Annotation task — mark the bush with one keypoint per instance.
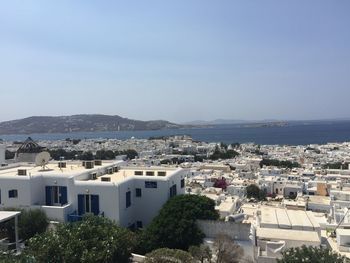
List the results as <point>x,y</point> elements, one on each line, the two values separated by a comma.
<point>310,255</point>
<point>94,239</point>
<point>30,223</point>
<point>253,191</point>
<point>166,255</point>
<point>175,226</point>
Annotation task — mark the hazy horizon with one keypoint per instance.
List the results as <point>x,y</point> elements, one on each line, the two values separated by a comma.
<point>178,61</point>
<point>196,120</point>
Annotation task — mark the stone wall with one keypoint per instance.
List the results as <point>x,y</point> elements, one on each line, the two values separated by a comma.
<point>237,231</point>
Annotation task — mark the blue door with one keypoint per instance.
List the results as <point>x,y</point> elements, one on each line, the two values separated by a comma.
<point>63,195</point>
<point>95,204</point>
<point>81,205</point>
<point>48,192</point>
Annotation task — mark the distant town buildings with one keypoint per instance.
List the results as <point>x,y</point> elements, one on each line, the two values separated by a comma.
<point>303,197</point>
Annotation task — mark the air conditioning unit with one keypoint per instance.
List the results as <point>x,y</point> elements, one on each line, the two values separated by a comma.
<point>22,172</point>
<point>105,179</point>
<point>98,162</point>
<point>62,165</point>
<point>89,164</point>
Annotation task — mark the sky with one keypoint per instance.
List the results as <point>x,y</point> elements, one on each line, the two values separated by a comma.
<point>177,60</point>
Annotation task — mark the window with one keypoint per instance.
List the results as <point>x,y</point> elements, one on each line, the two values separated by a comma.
<point>149,173</point>
<point>128,199</point>
<point>56,195</point>
<point>138,192</point>
<point>173,190</point>
<point>139,224</point>
<point>13,194</point>
<point>151,184</point>
<point>105,179</point>
<point>182,183</point>
<point>88,204</point>
<point>138,173</point>
<point>161,173</point>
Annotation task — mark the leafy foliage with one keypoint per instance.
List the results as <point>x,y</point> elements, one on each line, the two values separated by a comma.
<point>166,255</point>
<point>175,226</point>
<point>68,155</point>
<point>223,154</point>
<point>253,191</point>
<point>130,154</point>
<point>278,163</point>
<point>9,258</point>
<point>336,165</point>
<point>101,154</point>
<point>30,223</point>
<point>201,253</point>
<point>310,255</point>
<point>221,183</point>
<point>95,239</point>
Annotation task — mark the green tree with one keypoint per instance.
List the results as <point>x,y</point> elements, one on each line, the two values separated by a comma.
<point>166,255</point>
<point>175,226</point>
<point>201,253</point>
<point>86,156</point>
<point>311,255</point>
<point>94,239</point>
<point>253,191</point>
<point>278,163</point>
<point>30,223</point>
<point>130,153</point>
<point>105,155</point>
<point>9,258</point>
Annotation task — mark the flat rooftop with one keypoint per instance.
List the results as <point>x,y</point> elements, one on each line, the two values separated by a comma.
<point>52,168</point>
<point>141,172</point>
<point>322,200</point>
<point>279,218</point>
<point>287,234</point>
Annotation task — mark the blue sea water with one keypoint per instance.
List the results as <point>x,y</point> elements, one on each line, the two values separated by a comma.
<point>295,134</point>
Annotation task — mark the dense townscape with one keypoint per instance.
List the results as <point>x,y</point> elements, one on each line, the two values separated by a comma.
<point>266,200</point>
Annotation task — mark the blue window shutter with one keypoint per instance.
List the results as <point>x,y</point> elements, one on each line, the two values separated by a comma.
<point>63,192</point>
<point>48,191</point>
<point>95,204</point>
<point>81,208</point>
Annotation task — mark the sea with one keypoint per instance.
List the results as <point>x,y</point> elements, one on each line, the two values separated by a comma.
<point>291,134</point>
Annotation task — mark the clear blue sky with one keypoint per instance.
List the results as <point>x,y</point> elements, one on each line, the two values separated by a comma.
<point>177,60</point>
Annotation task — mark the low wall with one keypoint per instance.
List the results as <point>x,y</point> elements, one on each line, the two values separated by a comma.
<point>237,231</point>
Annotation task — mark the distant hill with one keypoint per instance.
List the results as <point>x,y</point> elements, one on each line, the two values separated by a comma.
<point>216,122</point>
<point>81,123</point>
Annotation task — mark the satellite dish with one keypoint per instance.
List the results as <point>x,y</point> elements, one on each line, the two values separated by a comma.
<point>42,159</point>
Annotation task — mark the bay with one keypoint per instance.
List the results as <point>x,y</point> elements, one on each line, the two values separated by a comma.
<point>292,134</point>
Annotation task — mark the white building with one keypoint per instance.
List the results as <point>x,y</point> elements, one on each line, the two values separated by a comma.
<point>278,229</point>
<point>68,190</point>
<point>2,154</point>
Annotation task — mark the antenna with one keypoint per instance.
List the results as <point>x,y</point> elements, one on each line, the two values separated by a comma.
<point>42,159</point>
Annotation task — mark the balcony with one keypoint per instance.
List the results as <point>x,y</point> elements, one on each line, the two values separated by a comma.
<point>74,217</point>
<point>57,213</point>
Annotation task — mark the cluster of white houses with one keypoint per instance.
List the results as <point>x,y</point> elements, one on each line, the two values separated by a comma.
<point>66,190</point>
